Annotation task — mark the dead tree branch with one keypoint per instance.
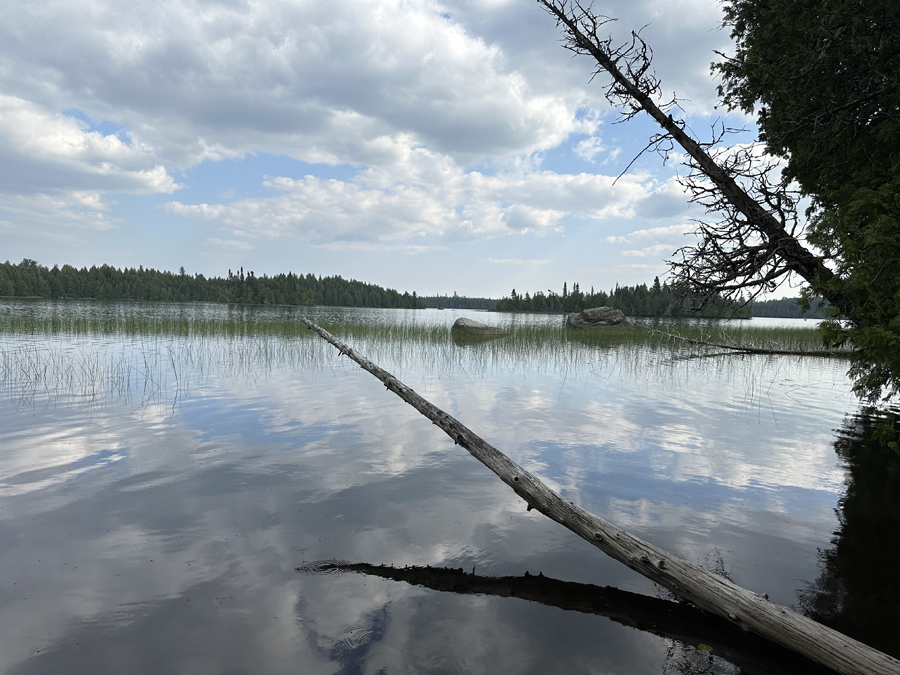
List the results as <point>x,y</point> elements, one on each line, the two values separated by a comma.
<point>756,244</point>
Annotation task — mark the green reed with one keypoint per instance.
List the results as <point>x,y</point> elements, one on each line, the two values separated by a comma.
<point>149,358</point>
<point>515,336</point>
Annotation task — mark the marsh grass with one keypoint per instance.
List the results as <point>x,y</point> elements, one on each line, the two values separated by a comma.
<point>743,334</point>
<point>516,336</point>
<point>130,357</point>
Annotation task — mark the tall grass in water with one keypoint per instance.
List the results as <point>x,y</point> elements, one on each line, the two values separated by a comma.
<point>143,371</point>
<point>516,336</point>
<point>744,334</point>
<point>129,356</point>
<point>138,325</point>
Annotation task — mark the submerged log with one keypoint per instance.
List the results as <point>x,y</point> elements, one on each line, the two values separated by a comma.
<point>746,609</point>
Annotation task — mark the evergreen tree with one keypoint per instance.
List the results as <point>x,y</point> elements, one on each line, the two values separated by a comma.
<point>824,79</point>
<point>661,300</point>
<point>29,279</point>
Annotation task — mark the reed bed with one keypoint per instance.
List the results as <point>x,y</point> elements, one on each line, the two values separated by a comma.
<point>744,334</point>
<point>143,359</point>
<point>516,336</point>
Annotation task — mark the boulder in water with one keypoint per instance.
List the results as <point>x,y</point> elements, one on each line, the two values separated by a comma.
<point>597,316</point>
<point>469,325</point>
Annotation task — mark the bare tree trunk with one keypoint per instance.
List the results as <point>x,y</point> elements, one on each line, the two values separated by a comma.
<point>635,88</point>
<point>744,608</point>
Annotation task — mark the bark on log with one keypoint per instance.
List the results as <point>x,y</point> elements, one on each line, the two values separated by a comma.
<point>748,610</point>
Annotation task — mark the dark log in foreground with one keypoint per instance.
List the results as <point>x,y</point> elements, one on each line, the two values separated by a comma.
<point>667,619</point>
<point>687,580</point>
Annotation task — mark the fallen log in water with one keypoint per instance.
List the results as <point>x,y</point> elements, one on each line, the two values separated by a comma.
<point>839,353</point>
<point>689,581</point>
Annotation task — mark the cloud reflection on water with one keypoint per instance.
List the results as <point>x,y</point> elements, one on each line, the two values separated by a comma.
<point>276,451</point>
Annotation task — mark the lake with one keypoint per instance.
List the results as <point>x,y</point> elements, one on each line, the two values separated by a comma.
<point>213,489</point>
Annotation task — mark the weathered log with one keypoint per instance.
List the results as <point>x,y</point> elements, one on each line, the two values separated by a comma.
<point>748,610</point>
<point>755,350</point>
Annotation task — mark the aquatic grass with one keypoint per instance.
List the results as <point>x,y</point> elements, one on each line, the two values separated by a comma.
<point>136,325</point>
<point>516,336</point>
<point>125,353</point>
<point>744,334</point>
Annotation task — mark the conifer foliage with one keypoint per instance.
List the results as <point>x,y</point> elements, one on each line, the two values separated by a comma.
<point>29,279</point>
<point>641,300</point>
<point>823,77</point>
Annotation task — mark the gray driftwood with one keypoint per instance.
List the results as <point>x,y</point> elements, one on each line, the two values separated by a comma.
<point>748,610</point>
<point>755,350</point>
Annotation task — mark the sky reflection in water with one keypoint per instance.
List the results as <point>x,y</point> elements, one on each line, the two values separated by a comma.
<point>153,521</point>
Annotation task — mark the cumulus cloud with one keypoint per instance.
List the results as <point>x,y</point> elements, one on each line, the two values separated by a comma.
<point>589,148</point>
<point>42,152</point>
<point>660,242</point>
<point>321,82</point>
<point>444,110</point>
<point>684,37</point>
<point>642,268</point>
<point>519,262</point>
<point>71,208</point>
<point>656,251</point>
<point>668,233</point>
<point>668,199</point>
<point>427,197</point>
<point>230,244</point>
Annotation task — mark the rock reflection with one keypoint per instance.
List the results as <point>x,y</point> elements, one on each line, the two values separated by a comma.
<point>471,339</point>
<point>697,636</point>
<point>858,591</point>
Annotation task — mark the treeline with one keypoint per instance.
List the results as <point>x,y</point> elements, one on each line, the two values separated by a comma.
<point>458,302</point>
<point>29,279</point>
<point>656,300</point>
<point>788,308</point>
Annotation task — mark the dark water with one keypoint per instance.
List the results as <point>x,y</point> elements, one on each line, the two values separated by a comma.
<point>159,493</point>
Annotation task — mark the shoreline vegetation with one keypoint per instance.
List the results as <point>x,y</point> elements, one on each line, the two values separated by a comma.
<point>658,300</point>
<point>29,279</point>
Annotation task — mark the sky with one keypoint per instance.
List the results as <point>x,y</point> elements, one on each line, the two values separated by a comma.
<point>425,146</point>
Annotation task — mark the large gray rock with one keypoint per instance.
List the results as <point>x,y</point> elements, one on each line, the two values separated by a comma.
<point>474,326</point>
<point>597,316</point>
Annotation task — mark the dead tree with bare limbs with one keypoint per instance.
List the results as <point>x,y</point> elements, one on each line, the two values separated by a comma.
<point>756,240</point>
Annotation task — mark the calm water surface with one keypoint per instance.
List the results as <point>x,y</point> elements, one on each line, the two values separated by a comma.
<point>158,494</point>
